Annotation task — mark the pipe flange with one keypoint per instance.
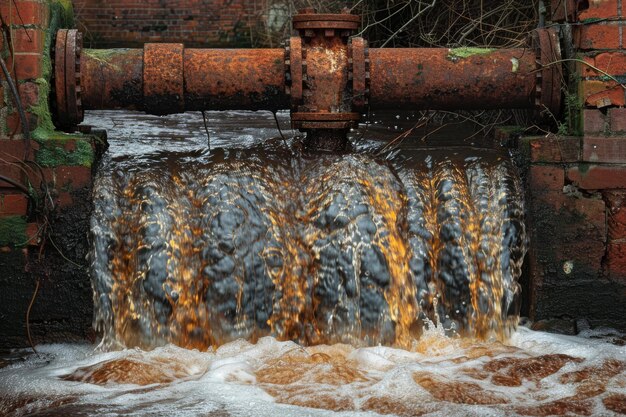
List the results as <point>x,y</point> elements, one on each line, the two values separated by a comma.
<point>324,120</point>
<point>359,73</point>
<point>309,19</point>
<point>549,71</point>
<point>294,71</point>
<point>163,78</point>
<point>67,51</point>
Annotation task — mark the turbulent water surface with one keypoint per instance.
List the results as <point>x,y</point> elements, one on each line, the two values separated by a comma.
<point>256,278</point>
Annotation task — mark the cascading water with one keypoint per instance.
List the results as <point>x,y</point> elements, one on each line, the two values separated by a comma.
<point>311,248</point>
<point>396,275</point>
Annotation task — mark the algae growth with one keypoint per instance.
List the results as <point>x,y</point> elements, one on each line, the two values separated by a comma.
<point>466,52</point>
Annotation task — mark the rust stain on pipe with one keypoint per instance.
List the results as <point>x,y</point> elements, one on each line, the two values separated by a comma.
<point>225,79</point>
<point>437,79</point>
<point>112,79</point>
<point>254,79</point>
<point>214,79</point>
<point>163,78</point>
<point>327,76</point>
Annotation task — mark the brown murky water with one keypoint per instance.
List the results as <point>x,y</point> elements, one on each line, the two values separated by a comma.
<point>316,249</point>
<point>365,284</point>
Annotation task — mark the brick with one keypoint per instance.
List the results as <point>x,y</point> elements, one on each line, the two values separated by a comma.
<point>594,121</point>
<point>555,149</point>
<point>616,261</point>
<point>599,9</point>
<point>569,229</point>
<point>600,94</point>
<point>604,149</point>
<point>68,177</point>
<point>12,149</point>
<point>13,204</point>
<point>14,123</point>
<point>599,36</point>
<point>78,176</point>
<point>33,234</point>
<point>617,118</point>
<point>546,178</point>
<point>64,199</point>
<point>29,94</point>
<point>616,211</point>
<point>613,63</point>
<point>27,65</point>
<point>26,12</point>
<point>591,87</point>
<point>598,177</point>
<point>28,40</point>
<point>593,210</point>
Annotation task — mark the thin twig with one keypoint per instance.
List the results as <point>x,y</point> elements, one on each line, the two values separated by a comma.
<point>206,129</point>
<point>30,306</point>
<point>19,16</point>
<point>606,74</point>
<point>279,129</point>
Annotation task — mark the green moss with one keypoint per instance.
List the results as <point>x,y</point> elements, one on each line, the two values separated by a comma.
<point>52,150</point>
<point>592,20</point>
<point>53,153</point>
<point>61,16</point>
<point>66,12</point>
<point>573,115</point>
<point>511,129</point>
<point>13,231</point>
<point>102,54</point>
<point>466,52</point>
<point>42,110</point>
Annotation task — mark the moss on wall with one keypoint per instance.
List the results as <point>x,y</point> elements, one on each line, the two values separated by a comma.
<point>61,15</point>
<point>53,153</point>
<point>13,231</point>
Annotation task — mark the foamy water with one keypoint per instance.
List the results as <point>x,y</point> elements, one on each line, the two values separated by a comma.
<point>534,373</point>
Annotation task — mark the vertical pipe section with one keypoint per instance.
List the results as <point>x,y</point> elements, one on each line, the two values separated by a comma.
<point>466,78</point>
<point>214,79</point>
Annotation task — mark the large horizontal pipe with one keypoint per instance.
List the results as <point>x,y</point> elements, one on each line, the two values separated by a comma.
<point>434,79</point>
<point>254,79</point>
<point>212,79</point>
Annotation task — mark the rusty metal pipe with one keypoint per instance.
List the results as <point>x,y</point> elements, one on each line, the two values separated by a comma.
<point>235,79</point>
<point>433,79</point>
<point>253,79</point>
<point>112,79</point>
<point>327,77</point>
<point>213,79</point>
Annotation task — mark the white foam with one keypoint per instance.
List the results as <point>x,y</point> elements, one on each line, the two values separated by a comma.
<point>226,379</point>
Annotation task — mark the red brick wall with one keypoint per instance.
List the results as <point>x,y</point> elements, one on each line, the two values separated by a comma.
<point>110,23</point>
<point>577,185</point>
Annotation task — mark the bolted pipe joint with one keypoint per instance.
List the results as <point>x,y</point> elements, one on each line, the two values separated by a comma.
<point>320,75</point>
